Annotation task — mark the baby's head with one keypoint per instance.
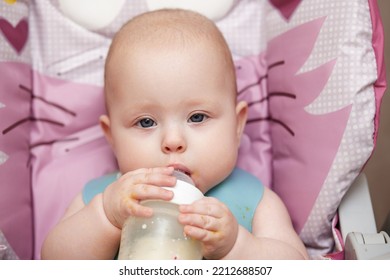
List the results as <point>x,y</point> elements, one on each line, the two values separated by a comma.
<point>170,92</point>
<point>165,32</point>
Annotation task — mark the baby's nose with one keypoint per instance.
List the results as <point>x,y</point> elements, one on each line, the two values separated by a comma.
<point>173,149</point>
<point>174,142</point>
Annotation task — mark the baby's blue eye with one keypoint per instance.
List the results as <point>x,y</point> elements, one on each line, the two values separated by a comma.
<point>197,118</point>
<point>146,123</point>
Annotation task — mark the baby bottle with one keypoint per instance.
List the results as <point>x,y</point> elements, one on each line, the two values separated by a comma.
<point>161,237</point>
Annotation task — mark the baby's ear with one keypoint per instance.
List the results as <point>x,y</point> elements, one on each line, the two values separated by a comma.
<point>104,122</point>
<point>242,114</point>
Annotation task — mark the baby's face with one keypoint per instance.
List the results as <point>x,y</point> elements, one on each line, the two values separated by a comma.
<point>175,108</point>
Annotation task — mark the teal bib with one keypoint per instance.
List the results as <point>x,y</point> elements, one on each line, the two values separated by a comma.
<point>241,192</point>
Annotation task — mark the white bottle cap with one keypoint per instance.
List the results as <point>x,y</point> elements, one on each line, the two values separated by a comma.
<point>184,192</point>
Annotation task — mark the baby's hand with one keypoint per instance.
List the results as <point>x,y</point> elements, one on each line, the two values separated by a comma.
<point>122,198</point>
<point>211,222</point>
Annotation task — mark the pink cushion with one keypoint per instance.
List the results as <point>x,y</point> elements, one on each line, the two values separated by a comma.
<point>65,156</point>
<point>15,161</point>
<point>334,71</point>
<point>312,75</point>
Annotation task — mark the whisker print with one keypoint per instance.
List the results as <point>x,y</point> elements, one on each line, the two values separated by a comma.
<point>257,101</point>
<point>268,97</point>
<point>275,64</point>
<point>22,87</point>
<point>283,94</point>
<point>32,119</point>
<point>261,78</point>
<point>46,143</point>
<point>285,126</point>
<point>258,82</point>
<point>273,94</point>
<point>26,89</point>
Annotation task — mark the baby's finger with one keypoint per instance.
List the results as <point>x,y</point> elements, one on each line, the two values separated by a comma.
<point>161,170</point>
<point>199,221</point>
<point>138,210</point>
<point>206,209</point>
<point>199,233</point>
<point>145,191</point>
<point>148,177</point>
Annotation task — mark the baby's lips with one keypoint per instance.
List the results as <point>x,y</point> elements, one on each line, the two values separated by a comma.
<point>181,168</point>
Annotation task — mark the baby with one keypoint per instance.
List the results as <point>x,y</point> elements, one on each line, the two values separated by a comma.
<point>170,90</point>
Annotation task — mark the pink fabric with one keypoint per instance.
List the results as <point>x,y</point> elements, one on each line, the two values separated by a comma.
<point>299,146</point>
<point>336,256</point>
<point>68,148</point>
<point>15,187</point>
<point>286,7</point>
<point>255,155</point>
<point>378,45</point>
<point>339,253</point>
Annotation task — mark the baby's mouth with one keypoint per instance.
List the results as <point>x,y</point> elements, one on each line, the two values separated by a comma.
<point>183,175</point>
<point>183,171</point>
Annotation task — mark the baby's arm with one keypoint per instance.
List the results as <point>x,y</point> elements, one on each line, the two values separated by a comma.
<point>273,237</point>
<point>93,231</point>
<point>83,233</point>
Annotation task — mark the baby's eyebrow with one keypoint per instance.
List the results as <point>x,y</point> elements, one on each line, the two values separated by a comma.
<point>136,109</point>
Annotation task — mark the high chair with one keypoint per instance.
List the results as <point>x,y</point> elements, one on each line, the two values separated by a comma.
<point>312,72</point>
